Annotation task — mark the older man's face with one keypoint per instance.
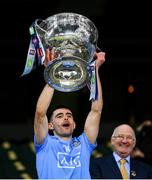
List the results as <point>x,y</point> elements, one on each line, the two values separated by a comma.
<point>123,141</point>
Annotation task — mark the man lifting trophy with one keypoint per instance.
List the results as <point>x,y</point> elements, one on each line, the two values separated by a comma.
<point>65,44</point>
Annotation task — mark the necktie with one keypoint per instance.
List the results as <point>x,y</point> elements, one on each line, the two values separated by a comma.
<point>123,169</point>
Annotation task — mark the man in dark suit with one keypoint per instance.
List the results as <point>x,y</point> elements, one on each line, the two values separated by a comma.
<point>123,141</point>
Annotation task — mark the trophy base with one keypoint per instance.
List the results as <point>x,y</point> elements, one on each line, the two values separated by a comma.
<point>67,74</point>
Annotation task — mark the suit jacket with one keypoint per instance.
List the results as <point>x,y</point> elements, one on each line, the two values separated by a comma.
<point>106,168</point>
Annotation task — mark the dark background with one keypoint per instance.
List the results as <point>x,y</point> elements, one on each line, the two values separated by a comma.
<point>124,34</point>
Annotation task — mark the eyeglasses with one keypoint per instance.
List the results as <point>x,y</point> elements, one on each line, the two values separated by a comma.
<point>122,137</point>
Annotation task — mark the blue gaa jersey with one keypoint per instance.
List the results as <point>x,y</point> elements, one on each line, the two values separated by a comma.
<point>58,159</point>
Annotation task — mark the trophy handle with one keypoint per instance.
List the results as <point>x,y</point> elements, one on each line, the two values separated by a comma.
<point>41,29</point>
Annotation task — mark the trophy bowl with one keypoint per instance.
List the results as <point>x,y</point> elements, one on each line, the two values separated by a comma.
<point>73,38</point>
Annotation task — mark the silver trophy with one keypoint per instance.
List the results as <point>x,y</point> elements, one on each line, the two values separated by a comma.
<point>73,38</point>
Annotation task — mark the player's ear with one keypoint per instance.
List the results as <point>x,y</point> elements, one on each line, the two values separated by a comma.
<point>51,126</point>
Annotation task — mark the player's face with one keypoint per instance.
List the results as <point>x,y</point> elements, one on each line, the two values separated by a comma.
<point>62,122</point>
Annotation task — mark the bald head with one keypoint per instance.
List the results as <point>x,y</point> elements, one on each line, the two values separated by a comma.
<point>124,128</point>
